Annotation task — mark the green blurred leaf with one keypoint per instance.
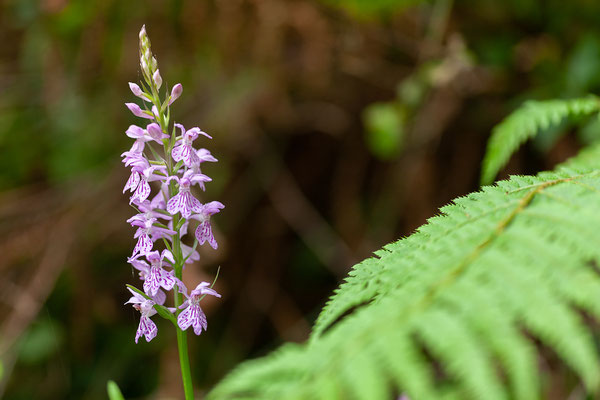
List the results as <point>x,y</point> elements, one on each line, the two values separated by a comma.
<point>114,393</point>
<point>385,124</point>
<point>583,65</point>
<point>41,341</point>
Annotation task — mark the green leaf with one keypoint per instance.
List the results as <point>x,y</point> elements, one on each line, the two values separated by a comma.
<point>114,393</point>
<point>526,122</point>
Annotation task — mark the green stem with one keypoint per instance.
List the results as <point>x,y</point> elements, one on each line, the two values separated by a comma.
<point>182,346</point>
<point>184,361</point>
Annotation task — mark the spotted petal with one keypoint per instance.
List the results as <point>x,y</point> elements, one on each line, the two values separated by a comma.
<point>204,233</point>
<point>186,318</point>
<point>147,328</point>
<point>174,203</point>
<point>142,192</point>
<point>167,281</point>
<point>153,281</point>
<point>200,321</point>
<point>180,152</point>
<point>143,245</point>
<point>132,182</point>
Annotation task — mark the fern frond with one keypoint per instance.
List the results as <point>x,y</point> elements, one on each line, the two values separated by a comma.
<point>525,123</point>
<point>449,312</point>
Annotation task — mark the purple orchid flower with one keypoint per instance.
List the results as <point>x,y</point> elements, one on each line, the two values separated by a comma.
<point>141,174</point>
<point>147,327</point>
<point>183,201</point>
<point>157,276</point>
<point>152,132</point>
<point>146,234</point>
<point>183,149</point>
<point>204,231</point>
<point>144,271</point>
<point>194,173</point>
<point>193,314</point>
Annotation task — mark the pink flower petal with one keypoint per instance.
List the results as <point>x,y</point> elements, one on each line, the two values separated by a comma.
<point>132,182</point>
<point>184,320</point>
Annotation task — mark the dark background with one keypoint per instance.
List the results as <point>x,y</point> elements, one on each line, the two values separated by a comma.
<point>339,126</point>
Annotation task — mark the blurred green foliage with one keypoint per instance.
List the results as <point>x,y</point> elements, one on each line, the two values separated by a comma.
<point>114,393</point>
<point>385,129</point>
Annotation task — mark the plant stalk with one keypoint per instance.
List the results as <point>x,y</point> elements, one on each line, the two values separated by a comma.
<point>184,361</point>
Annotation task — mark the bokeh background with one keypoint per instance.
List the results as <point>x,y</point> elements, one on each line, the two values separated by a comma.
<point>340,126</point>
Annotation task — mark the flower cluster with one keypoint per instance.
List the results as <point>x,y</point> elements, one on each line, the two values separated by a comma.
<point>171,161</point>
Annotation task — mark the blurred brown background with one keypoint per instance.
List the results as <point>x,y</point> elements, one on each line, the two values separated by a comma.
<point>339,125</point>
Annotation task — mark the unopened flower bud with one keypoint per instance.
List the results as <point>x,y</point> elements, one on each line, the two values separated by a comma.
<point>144,66</point>
<point>157,79</point>
<point>137,111</point>
<point>143,34</point>
<point>153,63</point>
<point>175,93</point>
<point>144,41</point>
<point>156,132</point>
<point>136,90</point>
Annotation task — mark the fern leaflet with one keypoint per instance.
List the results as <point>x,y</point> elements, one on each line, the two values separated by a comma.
<point>525,123</point>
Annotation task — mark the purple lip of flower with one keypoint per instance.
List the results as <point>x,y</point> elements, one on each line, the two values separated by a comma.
<point>147,328</point>
<point>193,314</point>
<point>139,186</point>
<point>141,174</point>
<point>146,234</point>
<point>183,201</point>
<point>204,231</point>
<point>158,277</point>
<point>144,271</point>
<point>138,112</point>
